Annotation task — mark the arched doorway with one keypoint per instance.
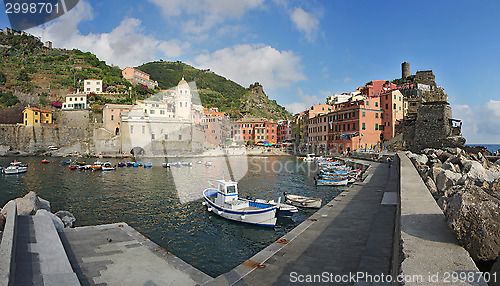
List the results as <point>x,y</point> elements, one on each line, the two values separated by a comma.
<point>137,151</point>
<point>117,130</point>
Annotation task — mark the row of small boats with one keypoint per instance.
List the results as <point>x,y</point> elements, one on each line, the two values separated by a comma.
<point>186,164</point>
<point>333,173</point>
<point>224,201</point>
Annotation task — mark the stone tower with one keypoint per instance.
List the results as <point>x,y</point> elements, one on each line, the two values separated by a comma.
<point>183,100</point>
<point>405,70</point>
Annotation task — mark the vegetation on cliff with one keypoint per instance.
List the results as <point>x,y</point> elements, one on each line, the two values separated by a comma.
<point>29,68</point>
<point>217,91</point>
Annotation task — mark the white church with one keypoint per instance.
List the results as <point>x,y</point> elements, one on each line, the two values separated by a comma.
<point>163,121</point>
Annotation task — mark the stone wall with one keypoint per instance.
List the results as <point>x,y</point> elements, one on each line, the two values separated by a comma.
<point>72,118</point>
<point>433,128</point>
<point>36,139</point>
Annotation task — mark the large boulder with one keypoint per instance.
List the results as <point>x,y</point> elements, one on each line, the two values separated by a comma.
<point>67,218</point>
<point>451,167</point>
<point>431,186</point>
<point>58,224</point>
<point>419,159</point>
<point>494,189</point>
<point>473,216</point>
<point>434,172</point>
<point>445,180</point>
<point>27,205</point>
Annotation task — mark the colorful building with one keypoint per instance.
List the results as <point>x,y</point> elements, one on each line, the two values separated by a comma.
<point>135,77</point>
<point>111,116</point>
<point>36,116</point>
<point>256,130</point>
<point>285,131</point>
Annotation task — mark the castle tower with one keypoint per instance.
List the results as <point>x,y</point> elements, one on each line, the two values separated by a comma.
<point>405,70</point>
<point>183,100</point>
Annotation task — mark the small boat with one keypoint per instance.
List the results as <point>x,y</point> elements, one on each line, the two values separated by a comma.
<point>16,168</point>
<point>301,201</point>
<point>66,162</point>
<point>81,163</point>
<point>73,167</point>
<point>85,167</point>
<point>130,164</point>
<point>208,163</point>
<point>224,202</point>
<point>199,162</point>
<point>148,165</point>
<point>165,165</point>
<point>45,161</point>
<point>309,158</point>
<point>108,167</point>
<point>332,182</point>
<point>283,209</point>
<point>121,164</point>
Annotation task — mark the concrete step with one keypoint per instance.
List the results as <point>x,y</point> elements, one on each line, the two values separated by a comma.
<point>40,256</point>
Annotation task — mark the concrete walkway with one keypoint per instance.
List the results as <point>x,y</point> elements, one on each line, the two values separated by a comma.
<point>351,235</point>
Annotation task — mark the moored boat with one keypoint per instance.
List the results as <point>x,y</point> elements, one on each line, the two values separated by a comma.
<point>16,168</point>
<point>108,167</point>
<point>309,158</point>
<point>148,165</point>
<point>332,182</point>
<point>45,161</point>
<point>301,201</point>
<point>121,164</point>
<point>224,202</point>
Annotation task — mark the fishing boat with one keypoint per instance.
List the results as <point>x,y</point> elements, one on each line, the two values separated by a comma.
<point>16,168</point>
<point>301,201</point>
<point>121,164</point>
<point>224,202</point>
<point>45,161</point>
<point>148,165</point>
<point>130,164</point>
<point>108,167</point>
<point>73,167</point>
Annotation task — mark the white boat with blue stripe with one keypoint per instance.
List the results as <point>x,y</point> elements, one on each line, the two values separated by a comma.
<point>224,201</point>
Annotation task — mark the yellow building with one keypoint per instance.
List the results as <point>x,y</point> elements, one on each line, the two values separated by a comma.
<point>35,116</point>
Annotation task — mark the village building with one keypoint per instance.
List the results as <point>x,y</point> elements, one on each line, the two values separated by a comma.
<point>257,130</point>
<point>135,76</point>
<point>36,116</point>
<point>92,86</point>
<point>75,101</point>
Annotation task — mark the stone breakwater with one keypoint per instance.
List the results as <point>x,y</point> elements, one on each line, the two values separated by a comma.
<point>467,189</point>
<point>31,204</point>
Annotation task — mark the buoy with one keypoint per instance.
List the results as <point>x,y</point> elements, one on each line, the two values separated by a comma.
<point>209,209</point>
<point>204,203</point>
<point>242,216</point>
<point>219,212</point>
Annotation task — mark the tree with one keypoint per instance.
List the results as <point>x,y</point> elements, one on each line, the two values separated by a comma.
<point>3,78</point>
<point>23,75</point>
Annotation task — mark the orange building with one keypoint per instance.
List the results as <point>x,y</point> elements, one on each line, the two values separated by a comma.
<point>255,129</point>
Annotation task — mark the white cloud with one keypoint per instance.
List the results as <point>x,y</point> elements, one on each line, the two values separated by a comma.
<point>246,64</point>
<point>125,45</point>
<point>306,23</point>
<point>209,13</point>
<point>307,102</point>
<point>480,122</point>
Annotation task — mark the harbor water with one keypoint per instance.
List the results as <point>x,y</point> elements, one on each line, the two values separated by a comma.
<point>165,204</point>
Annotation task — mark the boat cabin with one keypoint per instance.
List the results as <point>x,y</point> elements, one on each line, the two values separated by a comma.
<point>227,195</point>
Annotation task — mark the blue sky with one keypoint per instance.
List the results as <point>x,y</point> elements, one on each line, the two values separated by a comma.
<point>303,51</point>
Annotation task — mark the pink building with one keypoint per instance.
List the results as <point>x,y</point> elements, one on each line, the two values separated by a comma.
<point>111,116</point>
<point>136,76</point>
<point>285,131</point>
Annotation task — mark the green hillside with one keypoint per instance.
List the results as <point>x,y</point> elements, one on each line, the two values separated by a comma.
<point>28,67</point>
<point>217,91</point>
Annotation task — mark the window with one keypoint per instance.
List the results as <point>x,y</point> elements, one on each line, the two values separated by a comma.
<point>244,131</point>
<point>386,106</point>
<point>180,137</point>
<point>162,111</point>
<point>394,96</point>
<point>400,98</point>
<point>363,114</point>
<point>143,129</point>
<point>376,126</point>
<point>112,116</point>
<point>152,136</point>
<point>166,136</point>
<point>363,126</point>
<point>88,88</point>
<point>353,126</point>
<point>180,104</point>
<point>36,120</point>
<point>376,115</point>
<point>376,104</point>
<point>26,115</point>
<point>152,111</point>
<point>394,105</point>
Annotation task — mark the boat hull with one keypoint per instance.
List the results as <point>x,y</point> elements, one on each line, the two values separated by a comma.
<point>332,182</point>
<point>302,202</point>
<point>263,217</point>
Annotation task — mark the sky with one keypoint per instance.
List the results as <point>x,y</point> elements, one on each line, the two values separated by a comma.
<point>304,51</point>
